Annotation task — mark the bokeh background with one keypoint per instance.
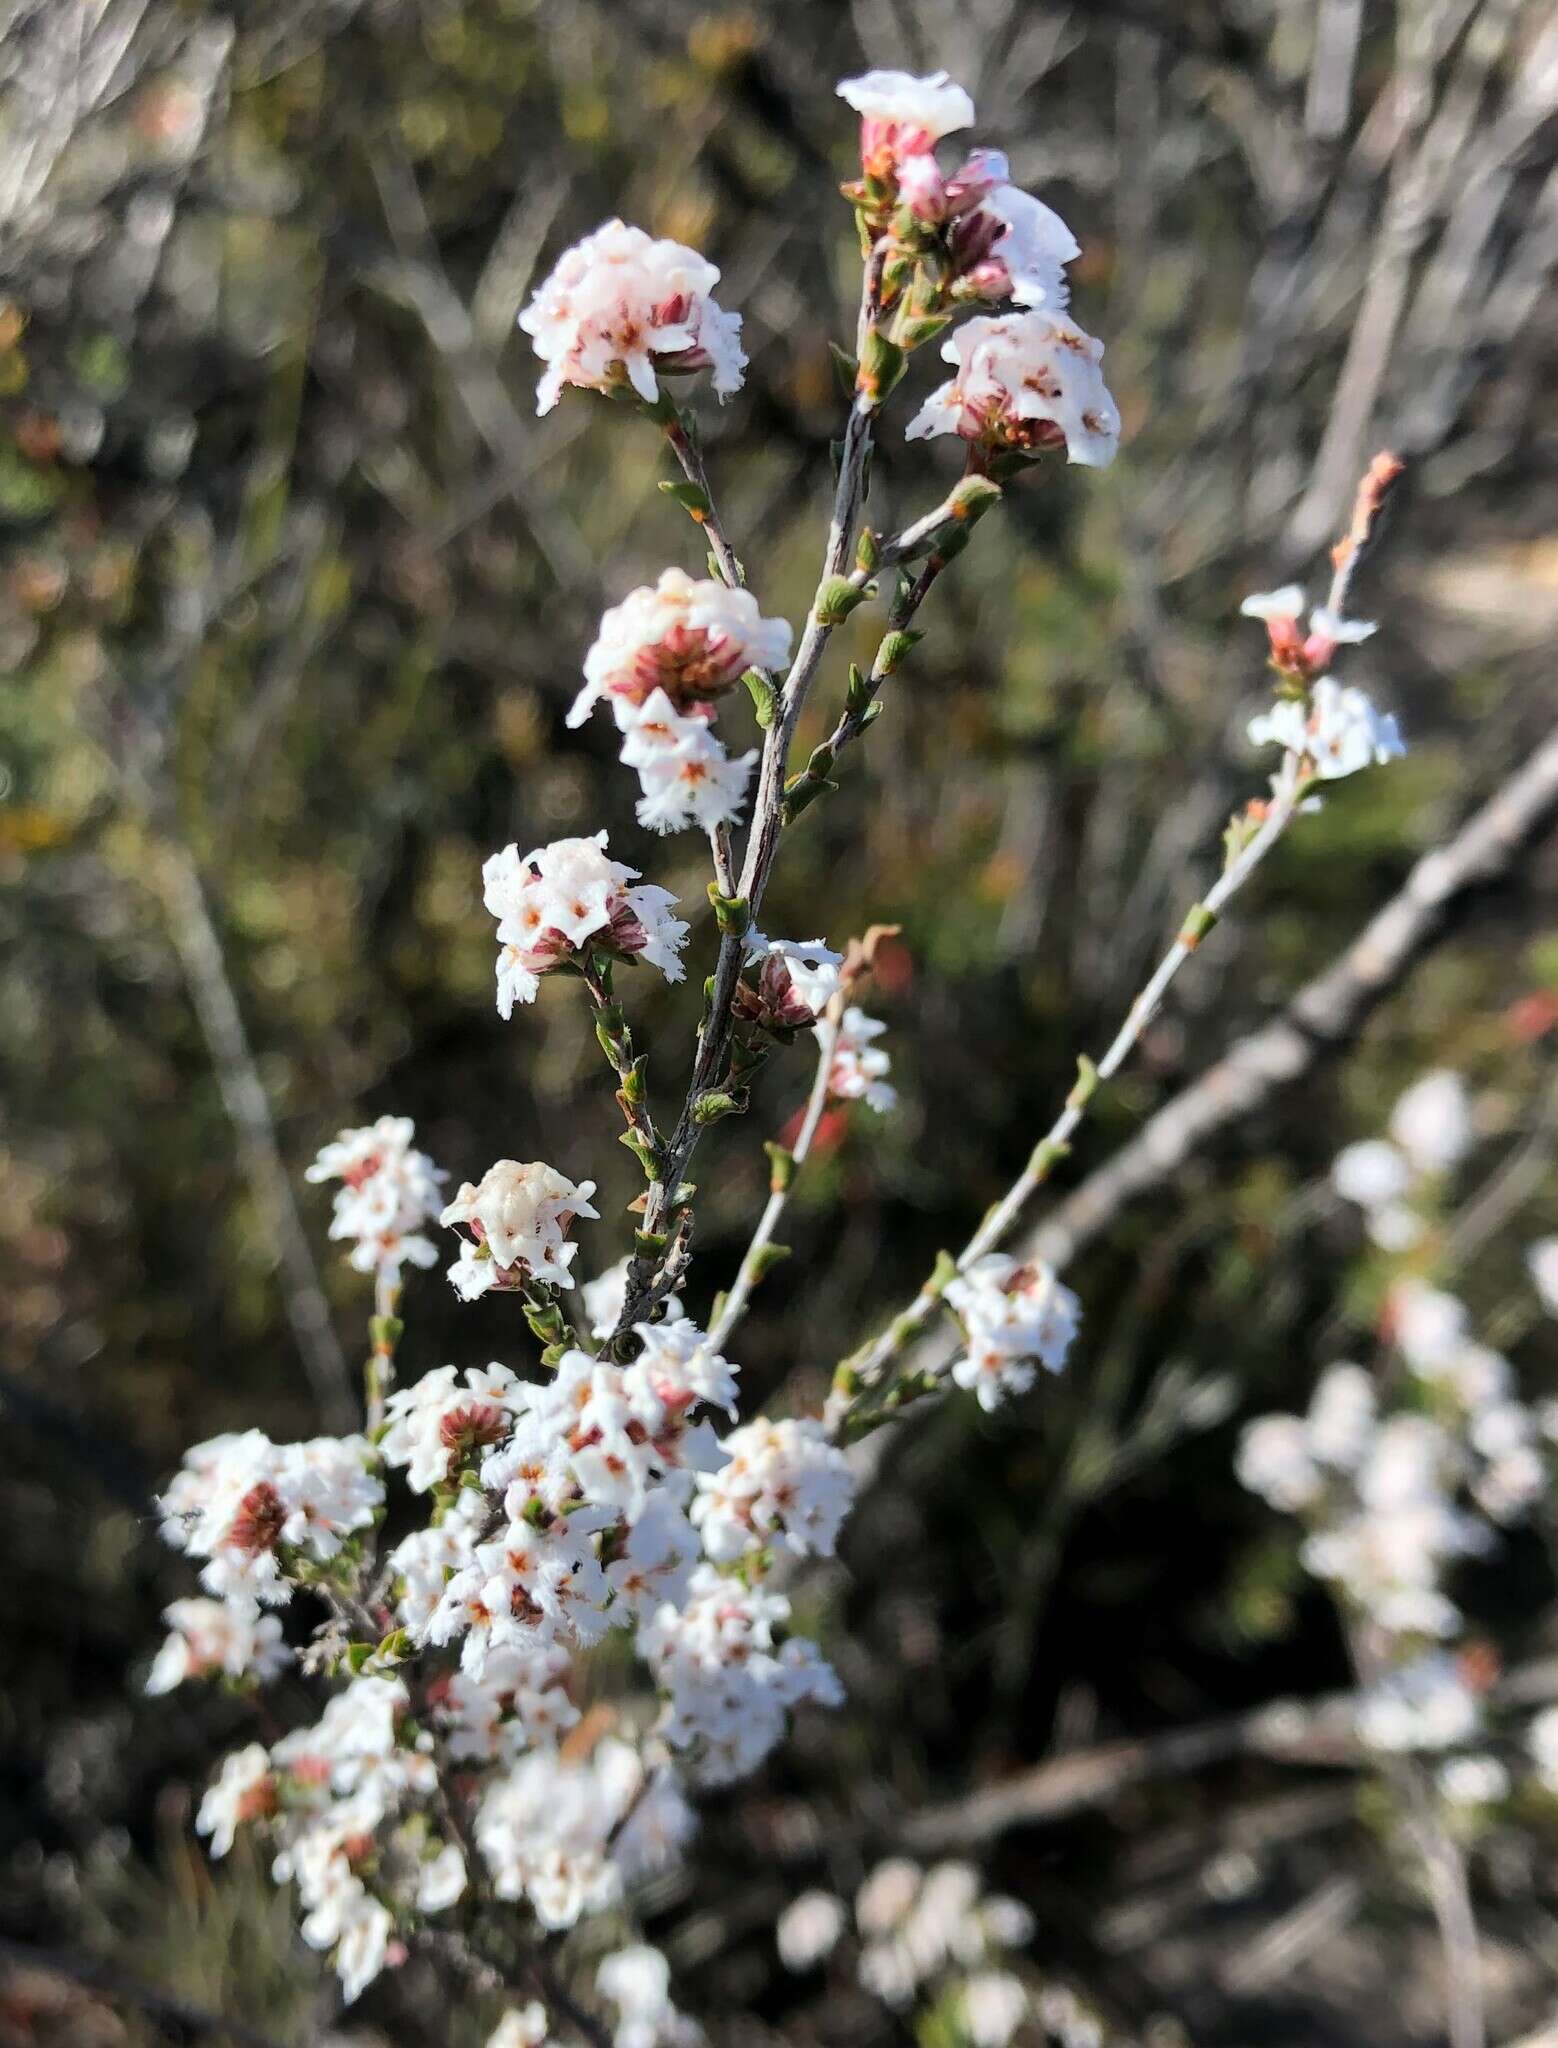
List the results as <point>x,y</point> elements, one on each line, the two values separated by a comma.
<point>294,595</point>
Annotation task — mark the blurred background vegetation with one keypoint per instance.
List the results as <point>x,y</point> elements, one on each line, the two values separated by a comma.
<point>294,595</point>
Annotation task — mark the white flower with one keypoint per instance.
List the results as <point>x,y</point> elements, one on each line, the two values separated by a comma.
<point>637,1981</point>
<point>241,1501</point>
<point>522,2026</point>
<point>1373,1174</point>
<point>1432,1122</point>
<point>560,898</point>
<point>1032,249</point>
<point>389,1190</point>
<point>1338,731</point>
<point>655,1564</point>
<point>903,116</point>
<point>1013,1316</point>
<point>1479,1780</point>
<point>1285,603</point>
<point>1275,1460</point>
<point>811,967</point>
<point>691,640</point>
<point>545,1828</point>
<point>784,1485</point>
<point>210,1636</point>
<point>1431,1328</point>
<point>436,1424</point>
<point>686,775</point>
<point>883,1902</point>
<point>441,1880</point>
<point>1028,381</point>
<point>654,1837</point>
<point>1328,625</point>
<point>677,1368</point>
<point>859,1069</point>
<point>520,1217</point>
<point>995,2004</point>
<point>621,306</point>
<point>727,1688</point>
<point>1340,1425</point>
<point>244,1791</point>
<point>808,1930</point>
<point>1542,1742</point>
<point>1425,1705</point>
<point>428,1558</point>
<point>1542,1264</point>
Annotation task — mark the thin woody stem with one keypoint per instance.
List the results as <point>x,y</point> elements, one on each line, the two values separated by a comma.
<point>617,1044</point>
<point>865,1369</point>
<point>384,1334</point>
<point>647,1276</point>
<point>783,1184</point>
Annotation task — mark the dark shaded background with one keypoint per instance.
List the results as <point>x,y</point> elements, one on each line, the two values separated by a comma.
<point>294,595</point>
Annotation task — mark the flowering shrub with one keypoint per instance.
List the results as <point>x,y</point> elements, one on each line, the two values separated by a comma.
<point>582,1490</point>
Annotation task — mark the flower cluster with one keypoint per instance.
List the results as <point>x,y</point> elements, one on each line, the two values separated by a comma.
<point>859,1068</point>
<point>1394,1180</point>
<point>388,1191</point>
<point>1014,1317</point>
<point>621,310</point>
<point>519,1216</point>
<point>783,1485</point>
<point>927,1932</point>
<point>211,1638</point>
<point>344,1801</point>
<point>562,900</point>
<point>660,660</point>
<point>1332,729</point>
<point>1396,1487</point>
<point>983,238</point>
<point>728,1683</point>
<point>1023,383</point>
<point>258,1511</point>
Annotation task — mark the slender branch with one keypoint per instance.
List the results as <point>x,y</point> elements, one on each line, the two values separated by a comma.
<point>1322,1018</point>
<point>867,1367</point>
<point>648,1277</point>
<point>783,1184</point>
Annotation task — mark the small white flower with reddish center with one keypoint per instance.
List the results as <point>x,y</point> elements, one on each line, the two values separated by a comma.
<point>1014,1316</point>
<point>1025,382</point>
<point>622,309</point>
<point>388,1191</point>
<point>859,1069</point>
<point>784,1485</point>
<point>687,777</point>
<point>1292,649</point>
<point>519,1216</point>
<point>1336,732</point>
<point>230,1638</point>
<point>691,639</point>
<point>554,902</point>
<point>902,116</point>
<point>438,1425</point>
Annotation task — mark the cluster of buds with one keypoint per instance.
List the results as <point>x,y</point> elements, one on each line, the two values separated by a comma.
<point>621,310</point>
<point>946,239</point>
